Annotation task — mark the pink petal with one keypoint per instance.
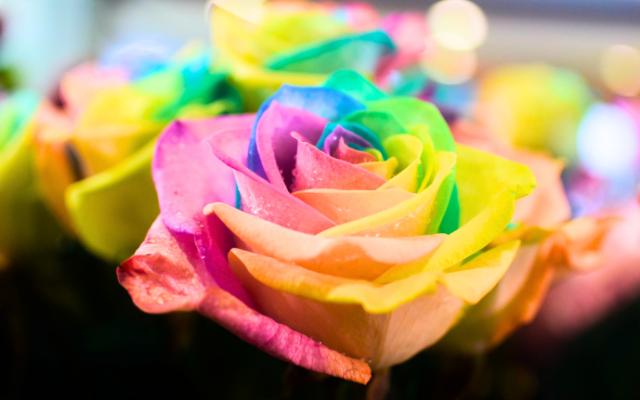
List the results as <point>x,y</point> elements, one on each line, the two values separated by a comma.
<point>262,200</point>
<point>165,275</point>
<point>188,176</point>
<point>317,170</point>
<point>161,276</point>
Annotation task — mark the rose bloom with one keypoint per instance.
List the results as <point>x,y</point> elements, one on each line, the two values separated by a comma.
<point>534,106</point>
<point>579,301</point>
<point>328,37</point>
<point>95,143</point>
<point>339,228</point>
<point>26,227</point>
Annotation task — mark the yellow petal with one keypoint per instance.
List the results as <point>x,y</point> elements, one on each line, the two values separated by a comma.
<point>474,279</point>
<point>384,169</point>
<point>480,175</point>
<point>381,339</point>
<point>464,242</point>
<point>408,218</point>
<point>112,211</point>
<point>512,303</point>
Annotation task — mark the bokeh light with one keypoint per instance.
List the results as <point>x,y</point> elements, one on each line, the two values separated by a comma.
<point>249,10</point>
<point>620,70</point>
<point>608,141</point>
<point>450,66</point>
<point>457,24</point>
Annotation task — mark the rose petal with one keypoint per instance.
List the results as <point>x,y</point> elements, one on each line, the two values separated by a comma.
<point>342,206</point>
<point>165,276</point>
<point>345,153</point>
<point>186,175</point>
<point>355,85</point>
<point>276,147</point>
<point>351,257</point>
<point>317,170</point>
<point>474,279</point>
<point>409,218</point>
<point>263,200</point>
<point>512,303</point>
<point>112,211</point>
<point>409,112</point>
<point>361,52</point>
<point>382,339</point>
<point>465,241</point>
<point>383,169</point>
<point>546,206</point>
<point>342,135</point>
<point>326,103</point>
<point>480,173</point>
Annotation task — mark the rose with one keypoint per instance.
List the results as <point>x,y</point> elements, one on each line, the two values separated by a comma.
<point>338,228</point>
<point>581,300</point>
<point>302,43</point>
<point>26,228</point>
<point>94,148</point>
<point>534,106</point>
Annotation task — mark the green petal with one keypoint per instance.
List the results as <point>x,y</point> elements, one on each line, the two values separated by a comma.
<point>361,51</point>
<point>355,85</point>
<point>480,175</point>
<point>410,112</point>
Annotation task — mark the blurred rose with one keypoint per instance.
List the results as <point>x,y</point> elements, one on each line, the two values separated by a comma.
<point>301,43</point>
<point>579,301</point>
<point>339,228</point>
<point>26,227</point>
<point>534,106</point>
<point>95,142</point>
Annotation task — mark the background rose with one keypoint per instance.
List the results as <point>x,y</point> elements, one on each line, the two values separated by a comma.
<point>534,106</point>
<point>352,222</point>
<point>95,142</point>
<point>301,44</point>
<point>26,227</point>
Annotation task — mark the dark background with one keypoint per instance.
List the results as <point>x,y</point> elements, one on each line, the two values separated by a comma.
<point>68,329</point>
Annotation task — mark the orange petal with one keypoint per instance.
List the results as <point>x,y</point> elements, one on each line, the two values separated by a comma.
<point>351,155</point>
<point>578,244</point>
<point>349,257</point>
<point>342,206</point>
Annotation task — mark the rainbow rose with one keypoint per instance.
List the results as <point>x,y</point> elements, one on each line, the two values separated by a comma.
<point>339,228</point>
<point>301,43</point>
<point>95,143</point>
<point>534,106</point>
<point>26,227</point>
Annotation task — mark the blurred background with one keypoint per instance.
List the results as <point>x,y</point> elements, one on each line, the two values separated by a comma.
<point>67,327</point>
<point>43,38</point>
